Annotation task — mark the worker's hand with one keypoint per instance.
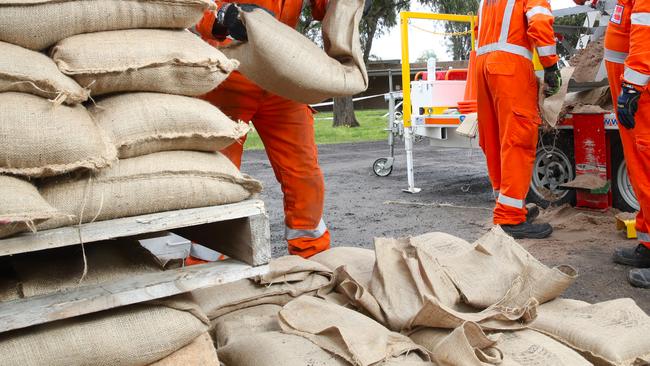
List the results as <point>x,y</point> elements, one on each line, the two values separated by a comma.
<point>628,104</point>
<point>552,80</point>
<point>228,19</point>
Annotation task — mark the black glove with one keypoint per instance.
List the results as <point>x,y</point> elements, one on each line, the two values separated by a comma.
<point>628,104</point>
<point>367,7</point>
<point>552,80</point>
<point>228,22</point>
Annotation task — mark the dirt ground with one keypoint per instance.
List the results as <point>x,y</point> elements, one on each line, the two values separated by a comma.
<point>456,198</point>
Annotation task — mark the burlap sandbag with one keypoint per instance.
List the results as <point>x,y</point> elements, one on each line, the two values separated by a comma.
<point>40,139</point>
<point>528,347</point>
<point>344,332</point>
<point>165,61</point>
<point>32,72</point>
<point>130,336</point>
<point>21,206</point>
<point>145,123</point>
<point>486,274</point>
<point>466,345</point>
<point>288,278</point>
<point>246,322</point>
<point>105,262</point>
<point>275,348</point>
<point>359,262</point>
<point>163,181</point>
<point>38,24</point>
<point>200,352</point>
<point>608,333</point>
<point>284,62</point>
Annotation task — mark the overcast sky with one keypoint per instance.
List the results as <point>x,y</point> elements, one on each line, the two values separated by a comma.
<point>388,46</point>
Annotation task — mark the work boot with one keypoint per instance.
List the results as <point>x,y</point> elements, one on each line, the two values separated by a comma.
<point>526,230</point>
<point>639,277</point>
<point>533,212</point>
<point>636,257</point>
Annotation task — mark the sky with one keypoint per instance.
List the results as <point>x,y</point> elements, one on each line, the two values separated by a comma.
<point>388,47</point>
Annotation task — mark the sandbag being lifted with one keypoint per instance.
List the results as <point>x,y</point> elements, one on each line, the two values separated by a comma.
<point>27,71</point>
<point>145,123</point>
<point>164,61</point>
<point>41,139</point>
<point>38,24</point>
<point>284,62</point>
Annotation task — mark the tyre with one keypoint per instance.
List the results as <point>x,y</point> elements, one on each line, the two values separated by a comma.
<point>554,166</point>
<point>382,167</point>
<point>623,197</point>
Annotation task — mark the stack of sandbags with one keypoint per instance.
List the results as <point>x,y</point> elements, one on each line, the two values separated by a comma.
<point>138,56</point>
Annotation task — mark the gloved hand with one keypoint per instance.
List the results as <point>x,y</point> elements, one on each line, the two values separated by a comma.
<point>552,80</point>
<point>367,7</point>
<point>628,104</point>
<point>228,21</point>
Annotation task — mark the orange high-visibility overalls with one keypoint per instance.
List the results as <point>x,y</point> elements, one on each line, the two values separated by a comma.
<point>627,56</point>
<point>287,131</point>
<point>508,112</point>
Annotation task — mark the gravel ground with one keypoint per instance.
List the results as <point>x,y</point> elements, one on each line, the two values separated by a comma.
<point>360,206</point>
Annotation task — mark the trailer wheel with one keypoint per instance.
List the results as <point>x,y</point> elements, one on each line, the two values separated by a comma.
<point>623,195</point>
<point>382,167</point>
<point>554,166</point>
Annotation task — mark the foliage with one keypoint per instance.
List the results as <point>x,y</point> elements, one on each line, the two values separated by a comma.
<point>575,23</point>
<point>459,46</point>
<point>426,55</point>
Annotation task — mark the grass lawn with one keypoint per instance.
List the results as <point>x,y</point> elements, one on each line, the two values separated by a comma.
<point>372,129</point>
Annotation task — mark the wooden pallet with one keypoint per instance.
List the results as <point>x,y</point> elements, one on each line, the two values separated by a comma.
<point>241,231</point>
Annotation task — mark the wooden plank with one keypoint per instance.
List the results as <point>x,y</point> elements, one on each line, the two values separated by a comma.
<point>128,226</point>
<point>85,300</point>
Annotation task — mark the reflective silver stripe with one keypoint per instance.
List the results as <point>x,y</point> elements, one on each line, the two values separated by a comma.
<point>507,17</point>
<point>505,47</point>
<point>480,10</point>
<point>615,56</point>
<point>644,237</point>
<point>640,18</point>
<point>538,10</point>
<point>291,234</point>
<point>636,77</point>
<point>547,50</point>
<point>495,193</point>
<point>509,201</point>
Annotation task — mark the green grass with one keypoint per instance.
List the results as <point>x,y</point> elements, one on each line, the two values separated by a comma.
<point>372,129</point>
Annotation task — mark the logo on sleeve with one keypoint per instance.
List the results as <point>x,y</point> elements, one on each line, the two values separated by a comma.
<point>617,15</point>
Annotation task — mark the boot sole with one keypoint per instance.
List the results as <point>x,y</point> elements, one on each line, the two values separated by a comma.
<point>629,262</point>
<point>541,235</point>
<point>636,283</point>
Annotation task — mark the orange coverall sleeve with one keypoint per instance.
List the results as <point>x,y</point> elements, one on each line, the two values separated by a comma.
<point>540,30</point>
<point>637,65</point>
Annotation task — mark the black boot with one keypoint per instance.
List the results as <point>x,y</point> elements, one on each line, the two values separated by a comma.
<point>533,212</point>
<point>526,230</point>
<point>636,257</point>
<point>639,277</point>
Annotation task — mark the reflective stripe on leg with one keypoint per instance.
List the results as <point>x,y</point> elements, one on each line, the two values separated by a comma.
<point>316,233</point>
<point>509,201</point>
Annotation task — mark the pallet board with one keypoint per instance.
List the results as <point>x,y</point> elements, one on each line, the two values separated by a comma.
<point>23,313</point>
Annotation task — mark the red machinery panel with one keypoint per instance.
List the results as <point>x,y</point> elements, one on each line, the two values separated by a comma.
<point>592,157</point>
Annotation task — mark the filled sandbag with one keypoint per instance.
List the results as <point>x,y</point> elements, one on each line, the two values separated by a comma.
<point>466,345</point>
<point>154,60</point>
<point>359,262</point>
<point>284,62</point>
<point>23,70</point>
<point>145,123</point>
<point>200,352</point>
<point>288,278</point>
<point>246,322</point>
<point>41,139</point>
<point>129,336</point>
<point>38,24</point>
<point>528,347</point>
<point>608,333</point>
<point>21,207</point>
<point>104,262</point>
<point>163,181</point>
<point>275,348</point>
<point>344,332</point>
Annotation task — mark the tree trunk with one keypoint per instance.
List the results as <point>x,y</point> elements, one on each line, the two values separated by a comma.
<point>344,113</point>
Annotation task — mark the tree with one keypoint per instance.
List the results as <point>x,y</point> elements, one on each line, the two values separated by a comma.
<point>382,16</point>
<point>571,28</point>
<point>459,46</point>
<point>426,55</point>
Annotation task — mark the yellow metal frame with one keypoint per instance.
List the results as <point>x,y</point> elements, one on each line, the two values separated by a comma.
<point>406,64</point>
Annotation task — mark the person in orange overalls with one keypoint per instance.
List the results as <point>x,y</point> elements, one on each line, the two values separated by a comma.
<point>508,111</point>
<point>627,43</point>
<point>285,127</point>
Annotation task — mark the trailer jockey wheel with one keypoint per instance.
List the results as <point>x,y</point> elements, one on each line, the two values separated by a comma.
<point>382,167</point>
<point>623,195</point>
<point>553,167</point>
